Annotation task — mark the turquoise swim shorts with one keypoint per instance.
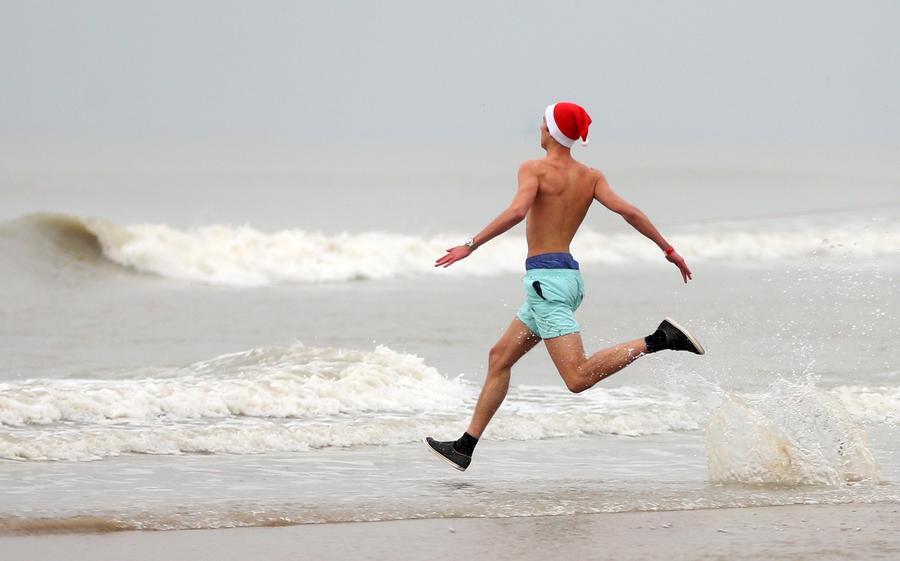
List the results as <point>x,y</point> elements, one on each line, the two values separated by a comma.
<point>551,298</point>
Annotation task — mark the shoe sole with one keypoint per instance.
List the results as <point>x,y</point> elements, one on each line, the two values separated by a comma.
<point>441,456</point>
<point>687,334</point>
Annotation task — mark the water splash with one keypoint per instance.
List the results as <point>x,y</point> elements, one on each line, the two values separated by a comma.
<point>791,434</point>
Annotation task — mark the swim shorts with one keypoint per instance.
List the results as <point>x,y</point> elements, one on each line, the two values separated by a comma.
<point>553,291</point>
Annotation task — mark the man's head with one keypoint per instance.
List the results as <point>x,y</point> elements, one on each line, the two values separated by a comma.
<point>564,123</point>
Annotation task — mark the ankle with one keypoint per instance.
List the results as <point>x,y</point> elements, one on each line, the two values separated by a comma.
<point>465,444</point>
<point>656,341</point>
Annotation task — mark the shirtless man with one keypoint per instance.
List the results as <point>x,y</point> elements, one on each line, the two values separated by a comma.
<point>554,195</point>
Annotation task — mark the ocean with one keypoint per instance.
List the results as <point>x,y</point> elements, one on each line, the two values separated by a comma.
<point>207,338</point>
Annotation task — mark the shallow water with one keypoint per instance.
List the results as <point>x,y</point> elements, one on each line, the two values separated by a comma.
<point>158,376</point>
<point>524,478</point>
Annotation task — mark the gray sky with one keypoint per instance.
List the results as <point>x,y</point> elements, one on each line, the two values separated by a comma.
<point>687,72</point>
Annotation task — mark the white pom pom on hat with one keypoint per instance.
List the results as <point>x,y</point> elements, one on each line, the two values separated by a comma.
<point>567,122</point>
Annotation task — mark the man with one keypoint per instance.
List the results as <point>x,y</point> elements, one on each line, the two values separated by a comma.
<point>554,195</point>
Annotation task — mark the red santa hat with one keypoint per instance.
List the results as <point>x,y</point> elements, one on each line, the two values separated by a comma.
<point>567,123</point>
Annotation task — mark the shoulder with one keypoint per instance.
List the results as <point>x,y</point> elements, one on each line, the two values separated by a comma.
<point>531,167</point>
<point>531,171</point>
<point>596,176</point>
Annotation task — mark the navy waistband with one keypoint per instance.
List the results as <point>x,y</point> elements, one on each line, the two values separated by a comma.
<point>551,261</point>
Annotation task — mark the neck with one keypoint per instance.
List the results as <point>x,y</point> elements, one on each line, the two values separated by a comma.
<point>557,151</point>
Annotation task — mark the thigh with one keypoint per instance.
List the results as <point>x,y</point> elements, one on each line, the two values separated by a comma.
<point>515,342</point>
<point>567,353</point>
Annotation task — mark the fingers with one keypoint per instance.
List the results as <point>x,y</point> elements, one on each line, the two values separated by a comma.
<point>444,259</point>
<point>678,261</point>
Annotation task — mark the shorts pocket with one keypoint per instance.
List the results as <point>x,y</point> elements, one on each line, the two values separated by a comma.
<point>578,292</point>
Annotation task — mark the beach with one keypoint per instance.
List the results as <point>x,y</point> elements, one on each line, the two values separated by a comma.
<point>223,334</point>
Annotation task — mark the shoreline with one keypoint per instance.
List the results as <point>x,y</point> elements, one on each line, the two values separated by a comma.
<point>800,532</point>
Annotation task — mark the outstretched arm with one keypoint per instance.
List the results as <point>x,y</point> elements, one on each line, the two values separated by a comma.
<point>639,221</point>
<point>514,213</point>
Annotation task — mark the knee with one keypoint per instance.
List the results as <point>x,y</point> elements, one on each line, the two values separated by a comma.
<point>576,386</point>
<point>574,380</point>
<point>497,357</point>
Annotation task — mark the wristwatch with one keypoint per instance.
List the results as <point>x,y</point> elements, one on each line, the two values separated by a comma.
<point>470,243</point>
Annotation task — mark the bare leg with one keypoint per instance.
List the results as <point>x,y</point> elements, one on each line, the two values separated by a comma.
<point>512,346</point>
<point>580,372</point>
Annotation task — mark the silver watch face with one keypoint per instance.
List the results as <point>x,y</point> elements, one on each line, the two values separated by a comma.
<point>470,242</point>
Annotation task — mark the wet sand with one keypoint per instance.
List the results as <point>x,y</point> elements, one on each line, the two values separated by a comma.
<point>820,532</point>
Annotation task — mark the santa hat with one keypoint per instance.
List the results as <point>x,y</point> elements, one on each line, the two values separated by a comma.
<point>567,123</point>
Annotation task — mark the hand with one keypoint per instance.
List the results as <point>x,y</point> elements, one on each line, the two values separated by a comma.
<point>682,266</point>
<point>453,255</point>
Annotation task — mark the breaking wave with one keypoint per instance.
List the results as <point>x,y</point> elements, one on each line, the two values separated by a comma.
<point>296,382</point>
<point>244,256</point>
<point>300,398</point>
<point>297,398</point>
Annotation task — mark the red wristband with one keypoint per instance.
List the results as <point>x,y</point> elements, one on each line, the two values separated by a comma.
<point>670,251</point>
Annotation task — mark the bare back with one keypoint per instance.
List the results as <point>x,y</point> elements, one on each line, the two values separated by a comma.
<point>565,192</point>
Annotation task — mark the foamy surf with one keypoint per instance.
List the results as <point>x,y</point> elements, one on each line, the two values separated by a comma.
<point>299,398</point>
<point>245,256</point>
<point>269,382</point>
<point>364,404</point>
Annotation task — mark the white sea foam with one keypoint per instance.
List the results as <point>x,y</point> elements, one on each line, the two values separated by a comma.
<point>243,256</point>
<point>297,398</point>
<point>294,382</point>
<point>300,398</point>
<point>146,420</point>
<point>870,405</point>
<point>792,434</point>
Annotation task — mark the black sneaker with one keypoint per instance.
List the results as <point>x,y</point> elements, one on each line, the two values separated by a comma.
<point>447,453</point>
<point>678,338</point>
